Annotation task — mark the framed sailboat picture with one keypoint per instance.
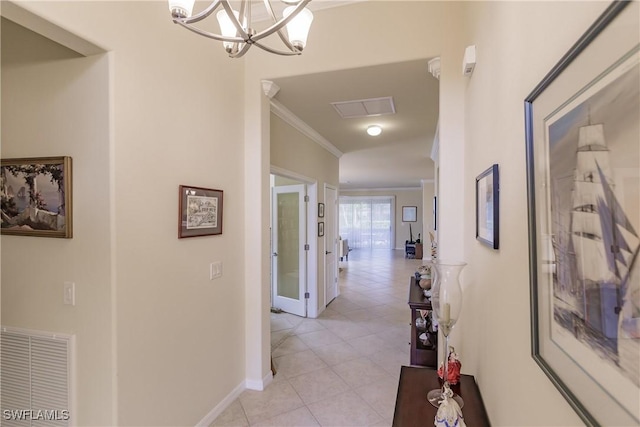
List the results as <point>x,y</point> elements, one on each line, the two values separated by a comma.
<point>583,177</point>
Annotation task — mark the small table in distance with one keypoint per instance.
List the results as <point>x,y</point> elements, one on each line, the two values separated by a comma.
<point>413,408</point>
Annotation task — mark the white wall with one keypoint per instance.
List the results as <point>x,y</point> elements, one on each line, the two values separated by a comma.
<point>428,193</point>
<point>517,44</point>
<point>176,118</point>
<point>56,103</point>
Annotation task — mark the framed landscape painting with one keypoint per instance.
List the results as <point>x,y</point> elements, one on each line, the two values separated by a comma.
<point>583,173</point>
<point>35,194</point>
<point>200,211</point>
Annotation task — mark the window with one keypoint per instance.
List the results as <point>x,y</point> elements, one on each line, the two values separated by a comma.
<point>366,221</point>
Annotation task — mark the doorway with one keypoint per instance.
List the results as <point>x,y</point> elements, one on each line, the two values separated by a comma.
<point>331,244</point>
<point>307,261</point>
<point>288,242</point>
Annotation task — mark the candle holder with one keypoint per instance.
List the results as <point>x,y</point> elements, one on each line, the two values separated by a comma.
<point>446,301</point>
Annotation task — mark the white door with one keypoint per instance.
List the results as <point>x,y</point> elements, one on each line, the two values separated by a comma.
<point>288,275</point>
<point>331,244</point>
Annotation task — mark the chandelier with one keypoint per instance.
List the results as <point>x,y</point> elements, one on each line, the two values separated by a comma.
<point>236,31</point>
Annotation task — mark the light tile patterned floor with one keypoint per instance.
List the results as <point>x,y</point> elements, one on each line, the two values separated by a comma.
<point>341,369</point>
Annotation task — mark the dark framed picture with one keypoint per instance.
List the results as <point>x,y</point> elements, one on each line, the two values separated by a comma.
<point>583,178</point>
<point>36,197</point>
<point>409,213</point>
<point>321,210</point>
<point>200,211</point>
<point>487,207</point>
<point>435,213</point>
<point>320,229</point>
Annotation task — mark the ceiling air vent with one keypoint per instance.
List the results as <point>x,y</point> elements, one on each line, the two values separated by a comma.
<point>365,107</point>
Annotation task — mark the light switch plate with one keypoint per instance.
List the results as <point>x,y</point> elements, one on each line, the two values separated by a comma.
<point>69,293</point>
<point>215,270</point>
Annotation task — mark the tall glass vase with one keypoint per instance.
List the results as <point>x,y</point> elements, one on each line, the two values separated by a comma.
<point>446,301</point>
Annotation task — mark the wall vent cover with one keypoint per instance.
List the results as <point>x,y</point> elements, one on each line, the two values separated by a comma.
<point>36,378</point>
<point>365,107</point>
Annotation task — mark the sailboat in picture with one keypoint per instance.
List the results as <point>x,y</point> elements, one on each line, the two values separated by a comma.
<point>596,286</point>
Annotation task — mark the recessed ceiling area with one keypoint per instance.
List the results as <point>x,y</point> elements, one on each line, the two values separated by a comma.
<point>399,157</point>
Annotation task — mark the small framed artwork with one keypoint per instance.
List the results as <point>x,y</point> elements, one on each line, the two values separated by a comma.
<point>321,210</point>
<point>487,207</point>
<point>200,212</point>
<point>409,213</point>
<point>583,181</point>
<point>36,197</point>
<point>435,213</point>
<point>320,229</point>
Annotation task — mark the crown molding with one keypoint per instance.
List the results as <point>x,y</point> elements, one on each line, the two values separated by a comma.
<point>296,122</point>
<point>270,88</point>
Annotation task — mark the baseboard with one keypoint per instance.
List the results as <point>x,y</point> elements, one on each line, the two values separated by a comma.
<point>260,384</point>
<point>220,407</point>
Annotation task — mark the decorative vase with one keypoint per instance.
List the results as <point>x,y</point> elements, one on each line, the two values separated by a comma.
<point>446,302</point>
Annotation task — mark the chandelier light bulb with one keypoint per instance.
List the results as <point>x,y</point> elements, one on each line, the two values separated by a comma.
<point>181,8</point>
<point>298,27</point>
<point>374,130</point>
<point>227,28</point>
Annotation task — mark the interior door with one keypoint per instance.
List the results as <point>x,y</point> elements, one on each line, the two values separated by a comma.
<point>331,244</point>
<point>288,278</point>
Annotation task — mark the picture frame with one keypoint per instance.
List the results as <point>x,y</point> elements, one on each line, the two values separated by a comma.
<point>435,213</point>
<point>409,213</point>
<point>36,197</point>
<point>582,133</point>
<point>199,212</point>
<point>320,210</point>
<point>320,229</point>
<point>488,207</point>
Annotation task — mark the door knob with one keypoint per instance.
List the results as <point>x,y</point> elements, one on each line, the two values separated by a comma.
<point>275,254</point>
<point>327,252</point>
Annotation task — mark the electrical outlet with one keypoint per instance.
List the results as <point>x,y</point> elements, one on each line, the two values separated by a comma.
<point>69,293</point>
<point>215,270</point>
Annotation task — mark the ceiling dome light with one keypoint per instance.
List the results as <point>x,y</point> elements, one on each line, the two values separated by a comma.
<point>374,130</point>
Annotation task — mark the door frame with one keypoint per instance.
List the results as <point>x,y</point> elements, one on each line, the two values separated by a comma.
<point>335,249</point>
<point>297,305</point>
<point>312,237</point>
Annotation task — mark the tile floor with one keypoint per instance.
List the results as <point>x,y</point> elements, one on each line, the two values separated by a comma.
<point>342,368</point>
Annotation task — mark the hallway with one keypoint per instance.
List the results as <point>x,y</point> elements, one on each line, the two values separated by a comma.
<point>341,369</point>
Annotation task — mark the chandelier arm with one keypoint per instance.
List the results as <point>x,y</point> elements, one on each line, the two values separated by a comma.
<point>243,34</point>
<point>278,52</point>
<point>279,25</point>
<point>285,40</point>
<point>210,35</point>
<point>241,52</point>
<point>202,15</point>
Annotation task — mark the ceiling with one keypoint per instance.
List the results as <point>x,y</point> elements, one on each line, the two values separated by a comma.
<point>400,156</point>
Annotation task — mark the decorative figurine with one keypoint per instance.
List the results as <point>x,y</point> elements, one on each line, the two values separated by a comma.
<point>453,368</point>
<point>449,413</point>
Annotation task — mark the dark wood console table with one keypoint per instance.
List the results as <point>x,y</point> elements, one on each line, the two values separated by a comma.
<point>421,354</point>
<point>413,408</point>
